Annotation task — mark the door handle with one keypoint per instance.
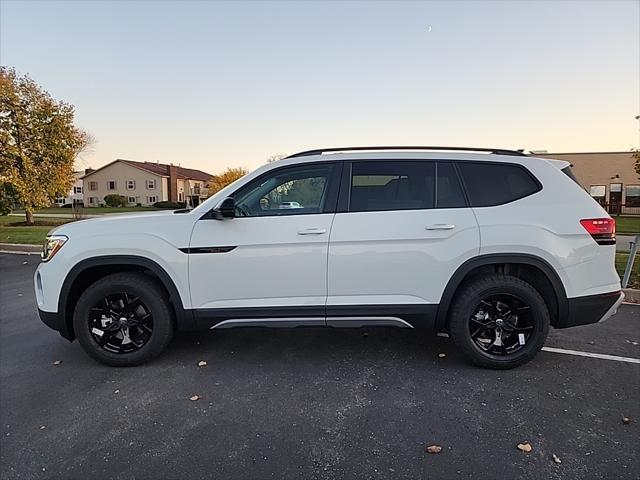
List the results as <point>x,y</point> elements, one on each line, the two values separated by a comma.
<point>440,226</point>
<point>312,231</point>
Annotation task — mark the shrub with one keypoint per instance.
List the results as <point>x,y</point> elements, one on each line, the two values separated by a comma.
<point>114,200</point>
<point>169,205</point>
<point>5,205</point>
<point>66,205</point>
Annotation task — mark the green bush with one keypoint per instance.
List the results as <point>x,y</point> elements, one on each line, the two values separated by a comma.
<point>169,205</point>
<point>5,205</point>
<point>114,200</point>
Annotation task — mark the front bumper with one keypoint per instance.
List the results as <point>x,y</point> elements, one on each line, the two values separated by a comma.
<point>591,309</point>
<point>56,322</point>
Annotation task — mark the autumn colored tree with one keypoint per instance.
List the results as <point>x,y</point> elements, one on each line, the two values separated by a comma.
<point>38,142</point>
<point>230,175</point>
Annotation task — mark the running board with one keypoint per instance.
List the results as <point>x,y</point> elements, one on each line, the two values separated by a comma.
<point>348,322</point>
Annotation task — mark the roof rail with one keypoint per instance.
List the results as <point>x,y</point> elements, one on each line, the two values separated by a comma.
<point>496,151</point>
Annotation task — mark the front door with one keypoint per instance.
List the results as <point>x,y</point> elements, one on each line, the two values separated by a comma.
<point>615,198</point>
<point>396,242</point>
<point>270,262</point>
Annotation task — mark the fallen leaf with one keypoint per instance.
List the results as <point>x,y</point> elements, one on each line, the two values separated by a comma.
<point>626,420</point>
<point>42,427</point>
<point>556,459</point>
<point>434,449</point>
<point>193,398</point>
<point>442,355</point>
<point>525,447</point>
<point>57,362</point>
<point>25,263</point>
<point>116,391</point>
<point>202,363</point>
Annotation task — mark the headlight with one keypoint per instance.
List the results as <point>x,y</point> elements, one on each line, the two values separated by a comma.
<point>52,244</point>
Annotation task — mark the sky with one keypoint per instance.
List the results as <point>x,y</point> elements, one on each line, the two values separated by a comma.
<point>211,85</point>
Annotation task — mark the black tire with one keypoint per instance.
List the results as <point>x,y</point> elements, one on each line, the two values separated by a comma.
<point>152,298</point>
<point>470,300</point>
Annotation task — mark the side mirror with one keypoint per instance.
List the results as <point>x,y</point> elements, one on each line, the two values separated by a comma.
<point>225,209</point>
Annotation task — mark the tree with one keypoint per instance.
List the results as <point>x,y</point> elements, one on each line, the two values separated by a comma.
<point>275,158</point>
<point>230,175</point>
<point>636,156</point>
<point>38,142</point>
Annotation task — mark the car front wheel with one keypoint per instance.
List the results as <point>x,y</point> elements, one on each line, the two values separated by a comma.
<point>123,319</point>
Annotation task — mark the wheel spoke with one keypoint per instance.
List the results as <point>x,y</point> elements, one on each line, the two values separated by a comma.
<point>498,322</point>
<point>130,323</point>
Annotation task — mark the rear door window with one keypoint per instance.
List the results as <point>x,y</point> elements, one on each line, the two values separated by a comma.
<point>393,185</point>
<point>449,191</point>
<point>490,184</point>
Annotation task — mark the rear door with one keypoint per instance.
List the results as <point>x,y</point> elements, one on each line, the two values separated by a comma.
<point>401,230</point>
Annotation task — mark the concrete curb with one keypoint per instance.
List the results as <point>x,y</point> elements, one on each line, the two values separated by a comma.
<point>20,248</point>
<point>631,295</point>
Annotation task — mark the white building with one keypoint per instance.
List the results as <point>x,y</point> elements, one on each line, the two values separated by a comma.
<point>75,195</point>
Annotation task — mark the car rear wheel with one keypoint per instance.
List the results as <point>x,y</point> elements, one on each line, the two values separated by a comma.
<point>123,319</point>
<point>499,321</point>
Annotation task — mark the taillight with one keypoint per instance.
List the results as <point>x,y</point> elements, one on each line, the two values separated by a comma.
<point>603,230</point>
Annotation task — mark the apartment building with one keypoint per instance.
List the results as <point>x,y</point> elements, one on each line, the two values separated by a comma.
<point>74,195</point>
<point>145,183</point>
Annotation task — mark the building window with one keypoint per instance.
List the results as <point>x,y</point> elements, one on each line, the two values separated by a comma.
<point>131,199</point>
<point>131,184</point>
<point>93,200</point>
<point>77,190</point>
<point>152,199</point>
<point>60,201</point>
<point>93,186</point>
<point>632,193</point>
<point>180,197</point>
<point>598,191</point>
<point>151,185</point>
<point>111,185</point>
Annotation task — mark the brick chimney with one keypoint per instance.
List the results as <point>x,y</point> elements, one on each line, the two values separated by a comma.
<point>172,171</point>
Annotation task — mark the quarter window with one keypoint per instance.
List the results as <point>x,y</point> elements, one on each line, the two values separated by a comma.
<point>395,185</point>
<point>290,191</point>
<point>490,184</point>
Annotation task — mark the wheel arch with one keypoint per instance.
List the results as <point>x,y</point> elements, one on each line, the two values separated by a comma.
<point>89,270</point>
<point>531,268</point>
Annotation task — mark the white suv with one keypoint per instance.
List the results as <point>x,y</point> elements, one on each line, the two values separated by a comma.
<point>493,246</point>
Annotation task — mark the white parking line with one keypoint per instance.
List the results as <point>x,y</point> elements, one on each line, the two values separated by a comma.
<point>578,353</point>
<point>592,355</point>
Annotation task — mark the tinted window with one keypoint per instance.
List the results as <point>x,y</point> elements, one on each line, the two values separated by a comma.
<point>449,191</point>
<point>495,184</point>
<point>392,185</point>
<point>288,191</point>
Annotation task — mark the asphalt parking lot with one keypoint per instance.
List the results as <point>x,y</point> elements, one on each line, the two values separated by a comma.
<point>311,403</point>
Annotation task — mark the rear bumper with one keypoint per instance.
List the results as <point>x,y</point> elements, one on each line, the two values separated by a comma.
<point>591,309</point>
<point>56,322</point>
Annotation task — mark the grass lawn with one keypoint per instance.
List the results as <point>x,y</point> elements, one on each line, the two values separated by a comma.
<point>11,230</point>
<point>627,225</point>
<point>95,210</point>
<point>621,263</point>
